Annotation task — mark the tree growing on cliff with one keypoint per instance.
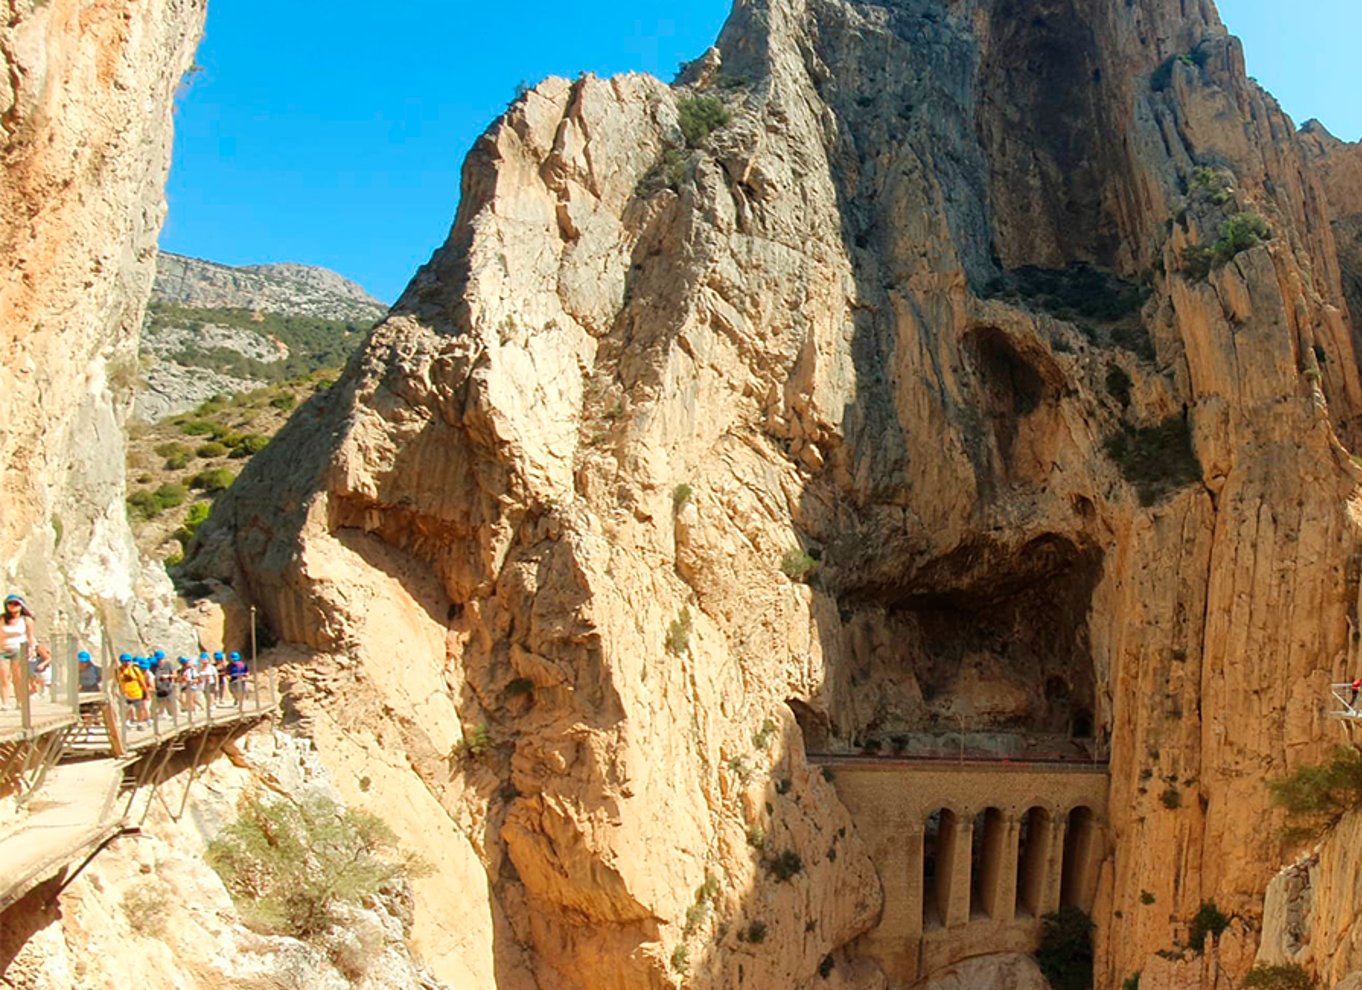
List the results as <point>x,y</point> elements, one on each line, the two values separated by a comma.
<point>1316,797</point>
<point>288,864</point>
<point>1065,953</point>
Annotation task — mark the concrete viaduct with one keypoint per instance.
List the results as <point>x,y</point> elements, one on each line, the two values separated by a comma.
<point>972,854</point>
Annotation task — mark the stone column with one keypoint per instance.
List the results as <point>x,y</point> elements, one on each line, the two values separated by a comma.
<point>1054,867</point>
<point>1000,852</point>
<point>956,848</point>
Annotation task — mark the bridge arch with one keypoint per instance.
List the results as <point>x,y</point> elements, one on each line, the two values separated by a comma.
<point>940,847</point>
<point>1035,831</point>
<point>1077,875</point>
<point>987,866</point>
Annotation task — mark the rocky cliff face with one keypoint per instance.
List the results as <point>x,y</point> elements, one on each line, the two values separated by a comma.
<point>1024,322</point>
<point>85,136</point>
<point>305,290</point>
<point>215,330</point>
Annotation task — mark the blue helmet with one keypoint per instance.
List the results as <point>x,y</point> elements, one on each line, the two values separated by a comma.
<point>234,657</point>
<point>218,656</point>
<point>125,658</point>
<point>184,661</point>
<point>84,656</point>
<point>159,655</point>
<point>203,656</point>
<point>144,663</point>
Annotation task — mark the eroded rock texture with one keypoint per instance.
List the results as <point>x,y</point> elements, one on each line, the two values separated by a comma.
<point>86,93</point>
<point>925,310</point>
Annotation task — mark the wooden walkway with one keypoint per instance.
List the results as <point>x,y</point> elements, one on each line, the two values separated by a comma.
<point>44,716</point>
<point>76,810</point>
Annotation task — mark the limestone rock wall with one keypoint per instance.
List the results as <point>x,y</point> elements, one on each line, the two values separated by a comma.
<point>86,94</point>
<point>535,537</point>
<point>150,908</point>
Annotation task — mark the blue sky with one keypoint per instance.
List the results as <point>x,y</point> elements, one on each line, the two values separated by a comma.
<point>337,140</point>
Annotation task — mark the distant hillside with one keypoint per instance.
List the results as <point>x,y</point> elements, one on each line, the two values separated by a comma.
<point>296,290</point>
<point>214,330</point>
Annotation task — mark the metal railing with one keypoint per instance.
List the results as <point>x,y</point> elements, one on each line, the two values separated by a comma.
<point>43,693</point>
<point>133,724</point>
<point>1347,699</point>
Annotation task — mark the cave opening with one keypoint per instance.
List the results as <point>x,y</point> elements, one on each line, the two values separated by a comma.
<point>985,652</point>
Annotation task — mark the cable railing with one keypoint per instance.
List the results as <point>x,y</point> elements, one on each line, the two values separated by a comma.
<point>43,693</point>
<point>1347,697</point>
<point>113,722</point>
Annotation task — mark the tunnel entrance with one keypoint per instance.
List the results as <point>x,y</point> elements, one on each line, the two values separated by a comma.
<point>985,652</point>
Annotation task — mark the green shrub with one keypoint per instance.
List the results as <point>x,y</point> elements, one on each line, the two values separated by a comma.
<point>178,460</point>
<point>283,402</point>
<point>754,933</point>
<point>171,495</point>
<point>1155,459</point>
<point>797,565</point>
<point>213,480</point>
<point>211,449</point>
<point>142,505</point>
<point>756,836</point>
<point>1237,234</point>
<point>1171,797</point>
<point>681,958</point>
<point>1146,897</point>
<point>786,865</point>
<point>700,116</point>
<point>289,864</point>
<point>170,448</point>
<point>1065,953</point>
<point>1290,976</point>
<point>1316,797</point>
<point>762,737</point>
<point>678,633</point>
<point>681,494</point>
<point>249,445</point>
<point>1208,920</point>
<point>1131,982</point>
<point>198,428</point>
<point>476,742</point>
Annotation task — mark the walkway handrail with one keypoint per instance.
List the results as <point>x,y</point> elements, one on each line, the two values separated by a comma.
<point>1344,695</point>
<point>56,691</point>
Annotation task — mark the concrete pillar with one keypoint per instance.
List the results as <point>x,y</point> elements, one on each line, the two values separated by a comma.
<point>1035,864</point>
<point>895,940</point>
<point>1054,867</point>
<point>1003,907</point>
<point>956,891</point>
<point>1081,860</point>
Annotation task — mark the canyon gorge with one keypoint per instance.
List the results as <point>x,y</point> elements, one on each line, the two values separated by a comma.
<point>907,381</point>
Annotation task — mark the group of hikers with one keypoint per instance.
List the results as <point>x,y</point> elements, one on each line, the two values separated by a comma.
<point>153,686</point>
<point>149,686</point>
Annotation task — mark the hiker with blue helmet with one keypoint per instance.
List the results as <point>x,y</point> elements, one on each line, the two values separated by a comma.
<point>90,674</point>
<point>237,672</point>
<point>18,642</point>
<point>208,679</point>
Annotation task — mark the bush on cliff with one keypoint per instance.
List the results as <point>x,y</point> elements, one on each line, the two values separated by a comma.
<point>1065,953</point>
<point>1316,797</point>
<point>1237,234</point>
<point>1155,459</point>
<point>699,117</point>
<point>288,864</point>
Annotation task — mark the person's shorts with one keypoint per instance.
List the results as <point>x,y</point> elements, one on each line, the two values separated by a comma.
<point>43,676</point>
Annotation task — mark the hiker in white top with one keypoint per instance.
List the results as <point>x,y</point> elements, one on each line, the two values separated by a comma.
<point>208,674</point>
<point>191,686</point>
<point>18,640</point>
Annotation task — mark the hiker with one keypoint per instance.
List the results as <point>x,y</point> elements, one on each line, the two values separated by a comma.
<point>17,641</point>
<point>191,686</point>
<point>165,686</point>
<point>40,670</point>
<point>208,677</point>
<point>133,690</point>
<point>90,674</point>
<point>237,672</point>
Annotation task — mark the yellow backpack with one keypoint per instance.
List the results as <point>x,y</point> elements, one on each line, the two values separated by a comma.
<point>130,680</point>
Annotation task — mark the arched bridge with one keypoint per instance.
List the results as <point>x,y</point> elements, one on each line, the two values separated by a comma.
<point>971,854</point>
